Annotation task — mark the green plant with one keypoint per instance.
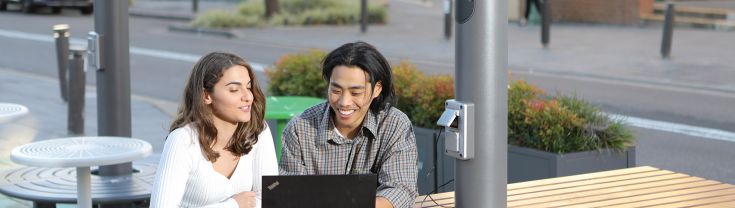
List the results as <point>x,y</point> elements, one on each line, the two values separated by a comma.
<point>560,124</point>
<point>225,19</point>
<point>421,96</point>
<point>296,12</point>
<point>298,74</point>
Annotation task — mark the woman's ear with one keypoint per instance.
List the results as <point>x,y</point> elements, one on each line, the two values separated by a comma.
<point>206,97</point>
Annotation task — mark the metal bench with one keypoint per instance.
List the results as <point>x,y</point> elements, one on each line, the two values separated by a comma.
<point>48,186</point>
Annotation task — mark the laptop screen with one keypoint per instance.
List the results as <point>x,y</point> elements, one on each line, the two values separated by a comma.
<point>319,191</point>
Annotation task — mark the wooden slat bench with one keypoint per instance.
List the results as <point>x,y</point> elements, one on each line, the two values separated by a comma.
<point>630,187</point>
<point>48,186</point>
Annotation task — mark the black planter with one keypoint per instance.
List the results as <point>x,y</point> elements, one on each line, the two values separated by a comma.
<point>435,168</point>
<point>525,164</point>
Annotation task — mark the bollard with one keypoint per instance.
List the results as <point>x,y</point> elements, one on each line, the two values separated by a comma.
<point>77,82</point>
<point>447,19</point>
<point>545,22</point>
<point>668,31</point>
<point>61,37</point>
<point>194,6</point>
<point>363,16</point>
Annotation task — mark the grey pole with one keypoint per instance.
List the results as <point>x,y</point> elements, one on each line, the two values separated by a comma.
<point>363,16</point>
<point>447,19</point>
<point>481,78</point>
<point>194,6</point>
<point>113,76</point>
<point>545,22</point>
<point>668,31</point>
<point>61,37</point>
<point>77,81</point>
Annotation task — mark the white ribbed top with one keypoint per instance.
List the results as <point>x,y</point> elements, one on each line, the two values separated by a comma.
<point>185,178</point>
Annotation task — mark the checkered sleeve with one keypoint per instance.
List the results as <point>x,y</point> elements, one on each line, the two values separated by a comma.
<point>292,161</point>
<point>397,176</point>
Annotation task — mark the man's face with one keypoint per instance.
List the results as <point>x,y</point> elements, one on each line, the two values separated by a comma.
<point>350,95</point>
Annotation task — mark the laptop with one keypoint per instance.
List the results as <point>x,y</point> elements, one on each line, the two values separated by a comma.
<point>320,191</point>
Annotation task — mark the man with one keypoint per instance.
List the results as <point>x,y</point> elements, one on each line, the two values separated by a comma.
<point>357,130</point>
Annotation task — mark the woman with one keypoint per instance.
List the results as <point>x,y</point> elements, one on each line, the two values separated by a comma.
<point>219,145</point>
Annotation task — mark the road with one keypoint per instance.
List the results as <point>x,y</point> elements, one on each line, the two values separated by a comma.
<point>161,60</point>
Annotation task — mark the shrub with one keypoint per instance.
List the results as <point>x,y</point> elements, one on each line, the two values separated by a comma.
<point>560,124</point>
<point>225,19</point>
<point>297,12</point>
<point>298,74</point>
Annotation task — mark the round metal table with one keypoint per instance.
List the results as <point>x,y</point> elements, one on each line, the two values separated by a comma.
<point>10,111</point>
<point>81,152</point>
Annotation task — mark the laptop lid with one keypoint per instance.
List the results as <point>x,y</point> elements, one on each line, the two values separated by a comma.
<point>320,191</point>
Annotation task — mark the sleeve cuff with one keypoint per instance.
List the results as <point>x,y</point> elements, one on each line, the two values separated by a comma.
<point>396,197</point>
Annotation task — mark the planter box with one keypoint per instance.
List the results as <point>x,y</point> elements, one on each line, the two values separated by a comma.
<point>623,12</point>
<point>435,168</point>
<point>526,164</point>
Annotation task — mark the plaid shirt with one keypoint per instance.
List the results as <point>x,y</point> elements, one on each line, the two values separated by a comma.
<point>385,145</point>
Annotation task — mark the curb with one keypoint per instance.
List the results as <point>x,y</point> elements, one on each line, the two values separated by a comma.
<point>201,31</point>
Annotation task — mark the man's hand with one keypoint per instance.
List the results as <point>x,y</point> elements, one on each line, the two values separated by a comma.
<point>245,199</point>
<point>382,202</point>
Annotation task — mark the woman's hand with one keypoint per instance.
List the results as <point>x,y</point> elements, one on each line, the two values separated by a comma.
<point>245,199</point>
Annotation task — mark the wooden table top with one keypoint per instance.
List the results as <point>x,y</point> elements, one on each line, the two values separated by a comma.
<point>631,187</point>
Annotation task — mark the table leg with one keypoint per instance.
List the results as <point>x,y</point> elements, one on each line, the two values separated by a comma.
<point>84,187</point>
<point>281,125</point>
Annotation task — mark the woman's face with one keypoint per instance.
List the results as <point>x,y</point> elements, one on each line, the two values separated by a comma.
<point>231,99</point>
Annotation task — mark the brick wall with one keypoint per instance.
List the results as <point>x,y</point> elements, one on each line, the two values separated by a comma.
<point>624,12</point>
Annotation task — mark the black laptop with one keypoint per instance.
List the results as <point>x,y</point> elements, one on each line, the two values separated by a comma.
<point>320,191</point>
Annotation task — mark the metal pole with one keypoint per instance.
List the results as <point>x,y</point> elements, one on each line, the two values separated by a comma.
<point>84,187</point>
<point>77,81</point>
<point>447,19</point>
<point>113,77</point>
<point>545,22</point>
<point>194,6</point>
<point>481,78</point>
<point>61,37</point>
<point>363,16</point>
<point>668,31</point>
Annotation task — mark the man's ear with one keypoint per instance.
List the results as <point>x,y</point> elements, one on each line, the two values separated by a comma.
<point>377,89</point>
<point>206,97</point>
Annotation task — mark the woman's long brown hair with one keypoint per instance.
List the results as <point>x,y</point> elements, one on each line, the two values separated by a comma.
<point>192,110</point>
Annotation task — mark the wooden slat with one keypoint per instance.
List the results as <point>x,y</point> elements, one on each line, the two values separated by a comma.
<point>729,196</point>
<point>616,192</point>
<point>594,181</point>
<point>624,200</point>
<point>697,10</point>
<point>582,187</point>
<point>587,176</point>
<point>718,204</point>
<point>662,198</point>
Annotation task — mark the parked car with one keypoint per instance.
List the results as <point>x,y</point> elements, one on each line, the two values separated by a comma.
<point>29,6</point>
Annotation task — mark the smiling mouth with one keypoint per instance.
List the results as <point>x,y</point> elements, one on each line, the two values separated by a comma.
<point>245,108</point>
<point>345,113</point>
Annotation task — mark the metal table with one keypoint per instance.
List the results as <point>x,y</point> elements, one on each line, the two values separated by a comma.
<point>282,109</point>
<point>81,152</point>
<point>10,111</point>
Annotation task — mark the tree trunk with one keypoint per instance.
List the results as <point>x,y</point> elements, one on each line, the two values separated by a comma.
<point>271,7</point>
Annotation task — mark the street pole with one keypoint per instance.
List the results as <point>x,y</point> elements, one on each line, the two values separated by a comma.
<point>447,19</point>
<point>113,76</point>
<point>481,78</point>
<point>61,38</point>
<point>77,82</point>
<point>194,6</point>
<point>363,16</point>
<point>545,22</point>
<point>668,31</point>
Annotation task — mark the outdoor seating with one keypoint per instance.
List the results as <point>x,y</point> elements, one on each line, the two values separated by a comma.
<point>630,187</point>
<point>57,183</point>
